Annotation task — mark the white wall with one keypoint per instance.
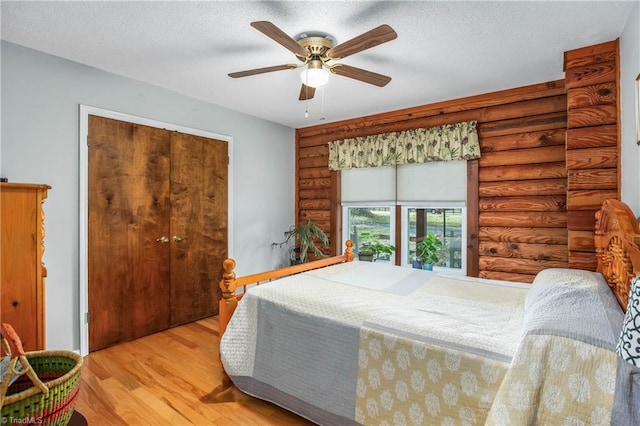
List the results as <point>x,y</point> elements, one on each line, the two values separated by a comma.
<point>629,70</point>
<point>41,95</point>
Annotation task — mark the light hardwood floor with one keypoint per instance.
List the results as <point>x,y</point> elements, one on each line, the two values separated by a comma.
<point>169,378</point>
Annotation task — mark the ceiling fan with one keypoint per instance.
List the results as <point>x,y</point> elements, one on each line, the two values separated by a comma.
<point>316,49</point>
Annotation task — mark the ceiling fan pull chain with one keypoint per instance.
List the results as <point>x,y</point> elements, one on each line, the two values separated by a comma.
<point>306,102</point>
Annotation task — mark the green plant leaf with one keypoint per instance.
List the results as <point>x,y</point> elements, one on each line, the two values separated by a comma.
<point>307,235</point>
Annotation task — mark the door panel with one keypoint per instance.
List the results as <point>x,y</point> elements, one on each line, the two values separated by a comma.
<point>199,194</point>
<point>128,212</point>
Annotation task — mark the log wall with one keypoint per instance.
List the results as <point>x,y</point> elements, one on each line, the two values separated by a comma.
<point>531,196</point>
<point>593,161</point>
<point>516,207</point>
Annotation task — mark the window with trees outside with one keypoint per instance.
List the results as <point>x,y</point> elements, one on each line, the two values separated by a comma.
<point>428,197</point>
<point>367,224</point>
<point>447,223</point>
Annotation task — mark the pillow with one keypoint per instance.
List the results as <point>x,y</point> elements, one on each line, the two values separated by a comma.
<point>552,282</point>
<point>629,345</point>
<point>573,303</point>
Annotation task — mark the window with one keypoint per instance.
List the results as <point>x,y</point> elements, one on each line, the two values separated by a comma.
<point>368,223</point>
<point>447,222</point>
<point>432,197</point>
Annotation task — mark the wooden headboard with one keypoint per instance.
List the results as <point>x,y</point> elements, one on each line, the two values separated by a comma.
<point>617,241</point>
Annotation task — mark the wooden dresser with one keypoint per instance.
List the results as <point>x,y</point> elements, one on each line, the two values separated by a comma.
<point>23,274</point>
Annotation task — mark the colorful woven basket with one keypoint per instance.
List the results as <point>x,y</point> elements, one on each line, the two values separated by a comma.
<point>49,402</point>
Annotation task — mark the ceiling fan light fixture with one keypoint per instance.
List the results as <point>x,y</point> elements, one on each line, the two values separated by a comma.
<point>314,75</point>
<point>316,49</point>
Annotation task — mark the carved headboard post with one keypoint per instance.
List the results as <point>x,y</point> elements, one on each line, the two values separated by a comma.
<point>617,240</point>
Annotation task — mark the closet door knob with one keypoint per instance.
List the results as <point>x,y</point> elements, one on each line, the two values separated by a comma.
<point>163,239</point>
<point>178,239</point>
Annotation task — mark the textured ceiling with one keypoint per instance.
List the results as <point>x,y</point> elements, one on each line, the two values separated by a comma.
<point>444,50</point>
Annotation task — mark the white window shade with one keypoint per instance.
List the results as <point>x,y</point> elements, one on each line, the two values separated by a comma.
<point>368,184</point>
<point>434,181</point>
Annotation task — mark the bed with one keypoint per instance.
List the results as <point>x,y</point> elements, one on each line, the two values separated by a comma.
<point>342,342</point>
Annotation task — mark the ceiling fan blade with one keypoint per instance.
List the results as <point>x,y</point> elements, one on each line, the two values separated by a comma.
<point>306,92</point>
<point>360,74</point>
<point>279,36</point>
<point>261,70</point>
<point>372,38</point>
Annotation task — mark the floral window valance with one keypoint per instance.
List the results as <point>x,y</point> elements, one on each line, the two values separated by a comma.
<point>450,142</point>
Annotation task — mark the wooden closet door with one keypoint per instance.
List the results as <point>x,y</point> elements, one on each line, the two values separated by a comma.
<point>129,241</point>
<point>199,194</point>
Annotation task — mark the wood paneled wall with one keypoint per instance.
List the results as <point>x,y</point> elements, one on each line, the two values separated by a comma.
<point>521,192</point>
<point>516,213</point>
<point>593,161</point>
<point>520,189</point>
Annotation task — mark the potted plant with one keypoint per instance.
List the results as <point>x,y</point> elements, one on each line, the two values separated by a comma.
<point>372,249</point>
<point>416,263</point>
<point>306,237</point>
<point>365,253</point>
<point>427,250</point>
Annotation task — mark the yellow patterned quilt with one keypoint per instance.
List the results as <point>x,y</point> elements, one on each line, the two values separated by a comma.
<point>557,381</point>
<point>404,380</point>
<point>564,372</point>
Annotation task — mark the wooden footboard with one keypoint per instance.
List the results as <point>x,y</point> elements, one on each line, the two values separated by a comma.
<point>229,283</point>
